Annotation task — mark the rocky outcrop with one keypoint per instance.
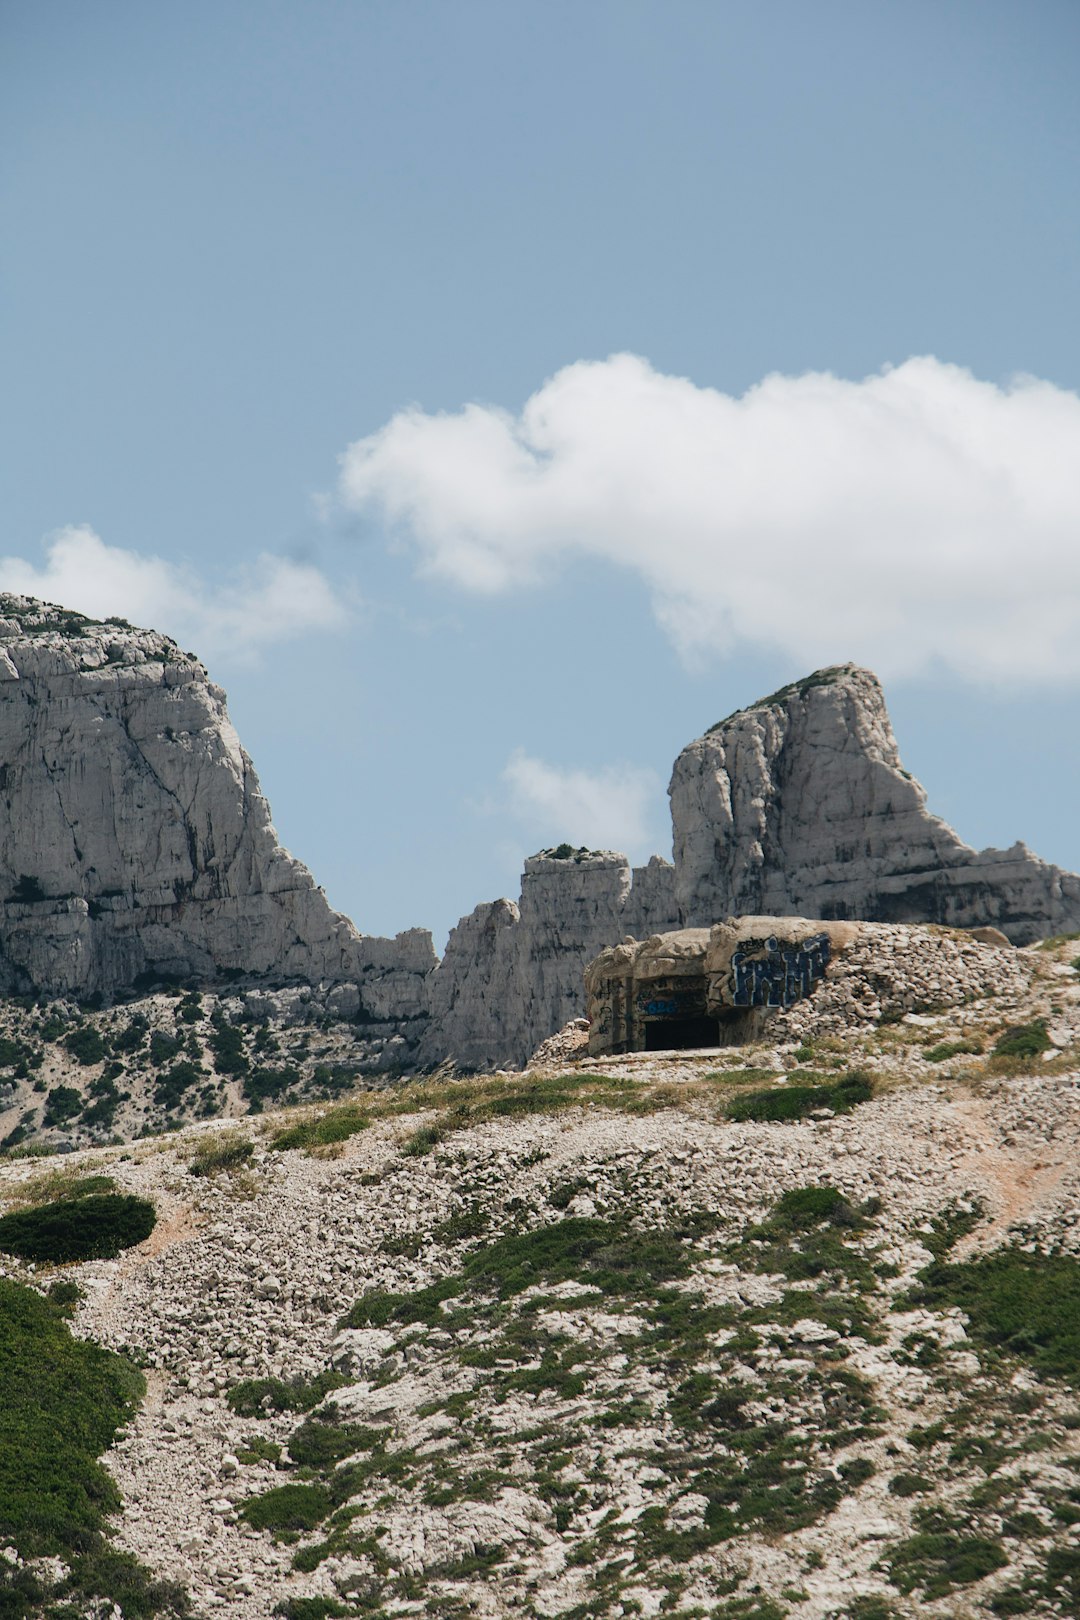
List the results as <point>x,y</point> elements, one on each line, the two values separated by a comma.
<point>800,805</point>
<point>135,842</point>
<point>512,974</point>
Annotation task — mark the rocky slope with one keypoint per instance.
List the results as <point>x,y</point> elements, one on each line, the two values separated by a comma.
<point>799,805</point>
<point>135,843</point>
<point>648,1336</point>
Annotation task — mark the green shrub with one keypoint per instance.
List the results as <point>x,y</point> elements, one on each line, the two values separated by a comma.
<point>1023,1041</point>
<point>312,1608</point>
<point>805,1207</point>
<point>227,1045</point>
<point>170,1089</point>
<point>190,1009</point>
<point>132,1036</point>
<point>63,1401</point>
<point>163,1048</point>
<point>1025,1304</point>
<point>267,1085</point>
<point>14,1053</point>
<point>288,1507</point>
<point>62,1104</point>
<point>936,1561</point>
<point>98,1227</point>
<point>253,1395</point>
<point>951,1049</point>
<point>86,1044</point>
<point>319,1442</point>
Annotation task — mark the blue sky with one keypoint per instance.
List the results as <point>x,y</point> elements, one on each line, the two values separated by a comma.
<point>243,238</point>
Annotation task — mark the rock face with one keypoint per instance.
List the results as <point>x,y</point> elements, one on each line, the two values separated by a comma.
<point>800,805</point>
<point>512,974</point>
<point>135,842</point>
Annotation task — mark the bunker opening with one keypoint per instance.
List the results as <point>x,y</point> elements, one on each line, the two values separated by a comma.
<point>681,1034</point>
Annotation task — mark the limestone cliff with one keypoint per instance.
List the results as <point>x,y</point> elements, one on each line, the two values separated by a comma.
<point>135,842</point>
<point>800,805</point>
<point>512,974</point>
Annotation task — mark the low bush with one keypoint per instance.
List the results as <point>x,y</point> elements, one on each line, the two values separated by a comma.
<point>1023,1041</point>
<point>86,1044</point>
<point>176,1082</point>
<point>288,1507</point>
<point>163,1048</point>
<point>62,1104</point>
<point>97,1227</point>
<point>796,1101</point>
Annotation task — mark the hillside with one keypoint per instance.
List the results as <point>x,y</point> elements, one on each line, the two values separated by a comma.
<point>777,1331</point>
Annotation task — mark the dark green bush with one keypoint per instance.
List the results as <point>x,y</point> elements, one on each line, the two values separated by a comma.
<point>93,1228</point>
<point>86,1044</point>
<point>1023,1041</point>
<point>132,1036</point>
<point>249,1397</point>
<point>170,1089</point>
<point>163,1048</point>
<point>62,1104</point>
<point>266,1085</point>
<point>63,1400</point>
<point>288,1507</point>
<point>227,1045</point>
<point>805,1207</point>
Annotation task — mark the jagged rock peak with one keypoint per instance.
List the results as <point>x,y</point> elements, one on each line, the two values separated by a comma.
<point>135,840</point>
<point>799,804</point>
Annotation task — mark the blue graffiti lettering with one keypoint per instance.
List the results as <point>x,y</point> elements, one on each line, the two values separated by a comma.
<point>780,976</point>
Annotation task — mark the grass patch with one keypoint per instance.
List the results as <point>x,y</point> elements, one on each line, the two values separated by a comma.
<point>55,1184</point>
<point>460,1104</point>
<point>227,1152</point>
<point>326,1130</point>
<point>796,1101</point>
<point>951,1049</point>
<point>97,1227</point>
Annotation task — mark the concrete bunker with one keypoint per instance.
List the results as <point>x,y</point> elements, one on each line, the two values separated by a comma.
<point>704,987</point>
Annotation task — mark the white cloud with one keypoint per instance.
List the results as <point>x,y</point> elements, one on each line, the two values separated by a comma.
<point>917,517</point>
<point>260,604</point>
<point>613,807</point>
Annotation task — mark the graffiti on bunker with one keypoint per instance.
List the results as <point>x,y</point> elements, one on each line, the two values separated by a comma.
<point>780,976</point>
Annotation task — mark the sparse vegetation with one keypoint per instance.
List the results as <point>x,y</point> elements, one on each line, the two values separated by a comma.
<point>228,1152</point>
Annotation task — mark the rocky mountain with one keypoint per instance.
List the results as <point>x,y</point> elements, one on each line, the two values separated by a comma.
<point>800,805</point>
<point>137,850</point>
<point>135,843</point>
<point>787,1332</point>
<point>512,974</point>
